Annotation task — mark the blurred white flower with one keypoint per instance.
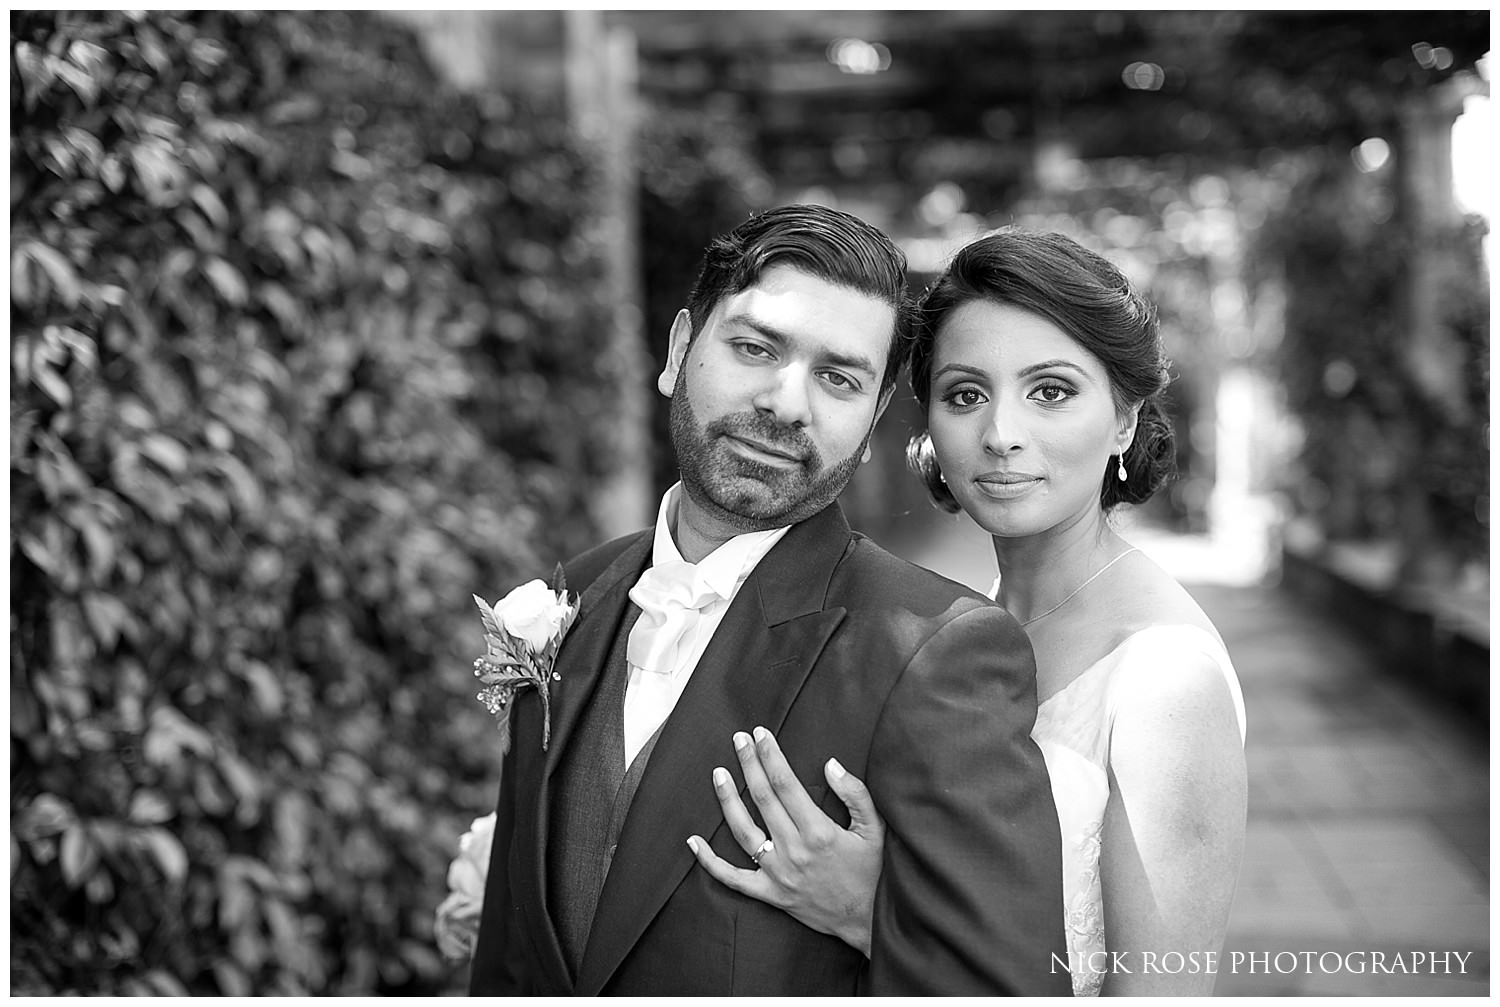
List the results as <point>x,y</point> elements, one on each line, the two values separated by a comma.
<point>457,923</point>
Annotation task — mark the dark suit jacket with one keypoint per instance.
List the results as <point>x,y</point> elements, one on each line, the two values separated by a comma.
<point>920,687</point>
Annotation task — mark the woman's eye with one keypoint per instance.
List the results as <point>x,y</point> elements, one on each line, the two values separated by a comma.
<point>964,398</point>
<point>1053,393</point>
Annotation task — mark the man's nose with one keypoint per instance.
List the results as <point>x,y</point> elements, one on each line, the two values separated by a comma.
<point>784,396</point>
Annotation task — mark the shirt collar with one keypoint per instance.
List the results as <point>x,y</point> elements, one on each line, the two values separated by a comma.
<point>726,567</point>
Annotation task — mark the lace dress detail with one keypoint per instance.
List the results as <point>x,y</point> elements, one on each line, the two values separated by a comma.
<point>1072,729</point>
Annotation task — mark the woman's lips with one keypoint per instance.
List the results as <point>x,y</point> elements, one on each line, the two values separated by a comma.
<point>1006,485</point>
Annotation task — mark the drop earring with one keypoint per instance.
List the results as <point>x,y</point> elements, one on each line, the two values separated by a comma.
<point>1121,470</point>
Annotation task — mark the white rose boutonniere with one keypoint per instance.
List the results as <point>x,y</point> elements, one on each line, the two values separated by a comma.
<point>457,923</point>
<point>522,634</point>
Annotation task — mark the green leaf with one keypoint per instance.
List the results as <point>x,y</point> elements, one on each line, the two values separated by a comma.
<point>236,901</point>
<point>100,888</point>
<point>153,48</point>
<point>88,56</point>
<point>149,807</point>
<point>491,627</point>
<point>49,381</point>
<point>108,618</point>
<point>264,687</point>
<point>112,173</point>
<point>163,983</point>
<point>100,544</point>
<point>156,170</point>
<point>232,979</point>
<point>46,816</point>
<point>58,269</point>
<point>227,281</point>
<point>22,290</point>
<point>35,72</point>
<point>244,785</point>
<point>79,346</point>
<point>78,856</point>
<point>211,205</point>
<point>169,734</point>
<point>86,145</point>
<point>168,853</point>
<point>83,83</point>
<point>168,452</point>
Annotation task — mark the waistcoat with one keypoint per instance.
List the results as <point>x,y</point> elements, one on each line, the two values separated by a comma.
<point>593,792</point>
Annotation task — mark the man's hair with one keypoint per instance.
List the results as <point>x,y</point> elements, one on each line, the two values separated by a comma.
<point>829,244</point>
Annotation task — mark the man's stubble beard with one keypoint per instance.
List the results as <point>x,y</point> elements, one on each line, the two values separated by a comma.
<point>742,493</point>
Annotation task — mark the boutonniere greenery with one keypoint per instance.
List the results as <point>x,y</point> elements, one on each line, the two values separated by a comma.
<point>522,634</point>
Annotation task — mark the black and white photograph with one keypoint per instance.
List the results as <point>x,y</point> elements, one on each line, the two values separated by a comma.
<point>750,503</point>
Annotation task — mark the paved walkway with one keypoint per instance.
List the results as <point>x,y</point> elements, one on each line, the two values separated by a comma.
<point>1369,800</point>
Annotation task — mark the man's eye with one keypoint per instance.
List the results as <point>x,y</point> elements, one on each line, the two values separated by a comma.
<point>753,350</point>
<point>840,381</point>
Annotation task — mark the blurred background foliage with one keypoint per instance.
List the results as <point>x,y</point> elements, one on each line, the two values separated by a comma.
<point>278,406</point>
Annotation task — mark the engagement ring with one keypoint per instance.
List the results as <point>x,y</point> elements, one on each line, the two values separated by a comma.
<point>765,847</point>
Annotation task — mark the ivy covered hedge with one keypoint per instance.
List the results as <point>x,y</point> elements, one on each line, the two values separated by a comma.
<point>300,342</point>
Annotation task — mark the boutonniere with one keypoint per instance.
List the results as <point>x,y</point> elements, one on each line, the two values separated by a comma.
<point>522,634</point>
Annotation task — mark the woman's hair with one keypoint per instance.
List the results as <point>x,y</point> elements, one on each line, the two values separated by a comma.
<point>1085,296</point>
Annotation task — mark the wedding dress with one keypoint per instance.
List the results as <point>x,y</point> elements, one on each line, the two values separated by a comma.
<point>1072,729</point>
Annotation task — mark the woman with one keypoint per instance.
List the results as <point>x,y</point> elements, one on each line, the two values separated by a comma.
<point>1041,373</point>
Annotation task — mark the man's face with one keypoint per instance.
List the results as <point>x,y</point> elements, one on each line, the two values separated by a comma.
<point>774,401</point>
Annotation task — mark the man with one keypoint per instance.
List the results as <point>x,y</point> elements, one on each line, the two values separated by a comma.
<point>752,603</point>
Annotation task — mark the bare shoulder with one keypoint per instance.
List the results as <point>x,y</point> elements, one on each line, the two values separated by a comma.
<point>1173,673</point>
<point>1146,596</point>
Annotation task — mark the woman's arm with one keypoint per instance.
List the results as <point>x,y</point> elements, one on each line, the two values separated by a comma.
<point>1174,829</point>
<point>820,873</point>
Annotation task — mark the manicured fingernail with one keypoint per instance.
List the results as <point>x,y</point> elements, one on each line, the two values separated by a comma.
<point>721,777</point>
<point>741,739</point>
<point>761,734</point>
<point>836,769</point>
<point>692,842</point>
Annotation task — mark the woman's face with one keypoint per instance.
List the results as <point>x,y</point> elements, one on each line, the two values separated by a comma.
<point>1022,420</point>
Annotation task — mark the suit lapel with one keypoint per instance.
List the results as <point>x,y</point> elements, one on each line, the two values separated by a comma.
<point>580,662</point>
<point>749,675</point>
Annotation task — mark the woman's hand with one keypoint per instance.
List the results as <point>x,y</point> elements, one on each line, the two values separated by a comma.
<point>821,874</point>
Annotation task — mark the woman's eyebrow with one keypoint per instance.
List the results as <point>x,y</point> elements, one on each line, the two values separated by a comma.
<point>959,369</point>
<point>1047,365</point>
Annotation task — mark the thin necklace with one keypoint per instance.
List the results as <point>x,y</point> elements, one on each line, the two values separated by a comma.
<point>1095,576</point>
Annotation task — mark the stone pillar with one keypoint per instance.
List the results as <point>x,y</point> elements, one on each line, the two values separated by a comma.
<point>603,101</point>
<point>1430,218</point>
<point>1435,265</point>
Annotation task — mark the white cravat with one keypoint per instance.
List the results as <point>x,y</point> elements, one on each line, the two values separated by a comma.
<point>681,606</point>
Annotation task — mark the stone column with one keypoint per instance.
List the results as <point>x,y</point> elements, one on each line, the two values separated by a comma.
<point>603,100</point>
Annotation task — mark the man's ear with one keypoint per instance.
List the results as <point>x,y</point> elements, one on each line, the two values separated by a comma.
<point>677,347</point>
